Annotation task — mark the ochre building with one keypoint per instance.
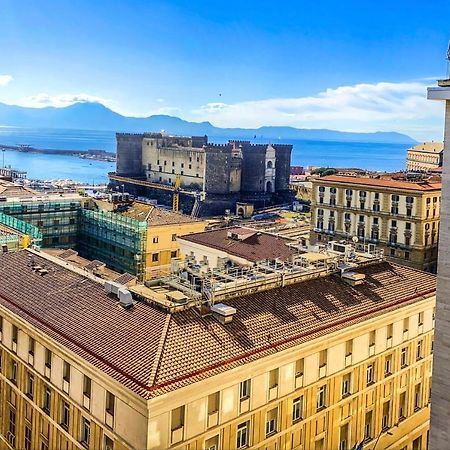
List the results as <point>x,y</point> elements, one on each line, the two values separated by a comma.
<point>317,365</point>
<point>425,157</point>
<point>398,216</point>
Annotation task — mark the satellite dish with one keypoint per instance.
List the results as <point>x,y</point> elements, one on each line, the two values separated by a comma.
<point>355,239</point>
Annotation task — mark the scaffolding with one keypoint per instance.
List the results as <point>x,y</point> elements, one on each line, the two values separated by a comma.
<point>22,228</point>
<point>117,240</point>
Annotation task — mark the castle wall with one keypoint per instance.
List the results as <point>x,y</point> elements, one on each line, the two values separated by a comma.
<point>129,154</point>
<point>283,166</point>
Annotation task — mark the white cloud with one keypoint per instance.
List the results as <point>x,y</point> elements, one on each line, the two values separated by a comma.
<point>363,107</point>
<point>5,79</point>
<point>42,100</point>
<point>160,100</point>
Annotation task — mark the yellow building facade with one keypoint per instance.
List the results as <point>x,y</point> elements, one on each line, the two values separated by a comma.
<point>425,157</point>
<point>365,379</point>
<point>398,216</point>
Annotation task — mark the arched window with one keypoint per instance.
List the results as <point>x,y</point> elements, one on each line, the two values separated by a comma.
<point>269,164</point>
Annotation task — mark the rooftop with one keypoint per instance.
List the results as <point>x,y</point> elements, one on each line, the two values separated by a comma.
<point>382,182</point>
<point>428,147</point>
<point>251,245</point>
<point>154,215</point>
<point>152,352</point>
<point>14,190</point>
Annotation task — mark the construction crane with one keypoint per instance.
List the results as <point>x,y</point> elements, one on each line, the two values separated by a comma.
<point>176,194</point>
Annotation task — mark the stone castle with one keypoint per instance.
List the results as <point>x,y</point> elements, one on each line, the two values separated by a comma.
<point>224,173</point>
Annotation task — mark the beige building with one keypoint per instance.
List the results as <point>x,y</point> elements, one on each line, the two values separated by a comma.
<point>425,157</point>
<point>319,364</point>
<point>400,217</point>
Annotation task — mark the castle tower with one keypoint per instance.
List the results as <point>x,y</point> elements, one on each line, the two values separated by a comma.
<point>440,395</point>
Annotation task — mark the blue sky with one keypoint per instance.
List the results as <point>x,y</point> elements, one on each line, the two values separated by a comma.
<point>348,65</point>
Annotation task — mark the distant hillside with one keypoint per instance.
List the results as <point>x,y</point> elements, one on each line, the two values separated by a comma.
<point>95,116</point>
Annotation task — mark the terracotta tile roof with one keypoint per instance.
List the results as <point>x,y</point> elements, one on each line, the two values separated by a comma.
<point>125,278</point>
<point>95,264</point>
<point>12,190</point>
<point>380,182</point>
<point>152,352</point>
<point>256,247</point>
<point>154,215</point>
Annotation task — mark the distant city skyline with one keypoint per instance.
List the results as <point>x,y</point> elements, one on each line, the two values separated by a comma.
<point>346,66</point>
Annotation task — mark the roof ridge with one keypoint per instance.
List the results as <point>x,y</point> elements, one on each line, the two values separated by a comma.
<point>150,210</point>
<point>159,351</point>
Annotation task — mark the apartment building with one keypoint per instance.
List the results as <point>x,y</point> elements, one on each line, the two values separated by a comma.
<point>320,364</point>
<point>400,217</point>
<point>425,157</point>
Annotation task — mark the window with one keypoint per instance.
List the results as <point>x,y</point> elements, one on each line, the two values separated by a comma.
<point>48,358</point>
<point>417,443</point>
<point>404,357</point>
<point>242,438</point>
<point>389,331</point>
<point>13,372</point>
<point>420,319</point>
<point>370,373</point>
<point>31,345</point>
<point>419,350</point>
<point>402,406</point>
<point>212,443</point>
<point>323,358</point>
<point>12,427</point>
<point>30,386</point>
<point>321,188</point>
<point>348,192</point>
<point>244,389</point>
<point>343,437</point>
<point>392,253</point>
<point>213,402</point>
<point>346,380</point>
<point>368,426</point>
<point>417,397</point>
<point>349,347</point>
<point>47,399</point>
<point>155,239</point>
<point>85,431</point>
<point>155,257</point>
<point>65,414</point>
<point>177,418</point>
<point>87,386</point>
<point>66,371</point>
<point>109,443</point>
<point>15,332</point>
<point>385,421</point>
<point>408,226</point>
<point>110,403</point>
<point>299,367</point>
<point>28,438</point>
<point>394,209</point>
<point>273,378</point>
<point>174,237</point>
<point>405,324</point>
<point>388,365</point>
<point>375,220</point>
<point>297,409</point>
<point>395,198</point>
<point>393,223</point>
<point>372,338</point>
<point>271,421</point>
<point>361,219</point>
<point>321,397</point>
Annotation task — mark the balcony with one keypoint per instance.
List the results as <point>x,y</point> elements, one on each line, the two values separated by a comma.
<point>244,405</point>
<point>273,393</point>
<point>177,435</point>
<point>323,371</point>
<point>348,360</point>
<point>213,419</point>
<point>299,381</point>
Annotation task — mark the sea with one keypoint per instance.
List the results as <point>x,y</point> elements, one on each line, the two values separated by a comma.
<point>373,156</point>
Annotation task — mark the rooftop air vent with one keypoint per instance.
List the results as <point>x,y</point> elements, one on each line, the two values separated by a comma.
<point>353,278</point>
<point>111,287</point>
<point>125,298</point>
<point>223,313</point>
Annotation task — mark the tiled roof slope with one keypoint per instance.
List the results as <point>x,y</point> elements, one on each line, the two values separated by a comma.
<point>381,182</point>
<point>257,247</point>
<point>429,147</point>
<point>154,215</point>
<point>152,352</point>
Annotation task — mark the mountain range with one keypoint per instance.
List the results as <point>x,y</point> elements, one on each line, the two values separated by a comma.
<point>96,116</point>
